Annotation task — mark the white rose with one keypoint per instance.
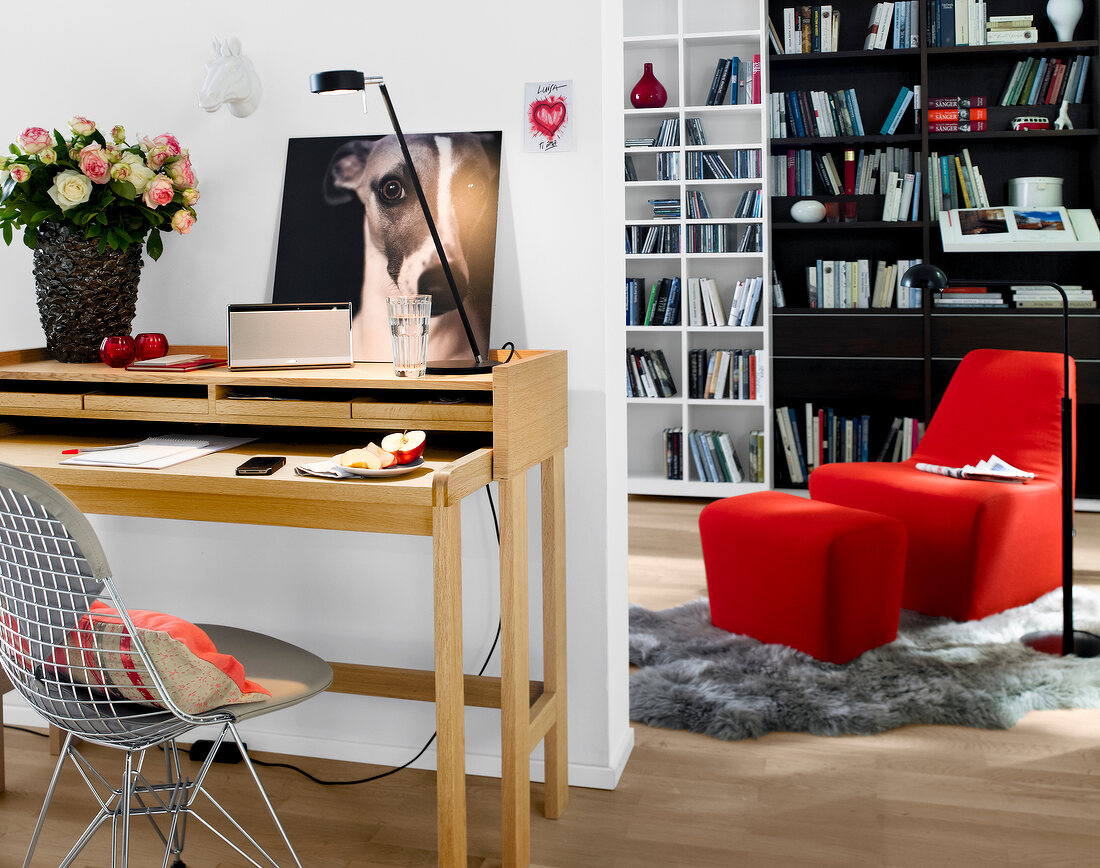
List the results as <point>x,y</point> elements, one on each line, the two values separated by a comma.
<point>70,188</point>
<point>140,174</point>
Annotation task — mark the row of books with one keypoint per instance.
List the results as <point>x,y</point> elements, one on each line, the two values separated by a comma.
<point>748,205</point>
<point>648,374</point>
<point>668,136</point>
<point>705,306</point>
<point>902,199</point>
<point>967,22</point>
<point>823,436</point>
<point>662,307</point>
<point>957,114</point>
<point>1045,81</point>
<point>837,283</point>
<point>723,238</point>
<point>863,173</point>
<point>696,135</point>
<point>903,16</point>
<point>740,78</point>
<point>743,163</point>
<point>725,374</point>
<point>808,29</point>
<point>713,456</point>
<point>653,239</point>
<point>818,113</point>
<point>668,167</point>
<point>954,181</point>
<point>1023,297</point>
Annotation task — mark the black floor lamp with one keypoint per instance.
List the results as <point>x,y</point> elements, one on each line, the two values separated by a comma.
<point>347,80</point>
<point>929,278</point>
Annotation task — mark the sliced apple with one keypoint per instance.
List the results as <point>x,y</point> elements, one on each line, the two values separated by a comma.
<point>406,446</point>
<point>361,458</point>
<point>388,458</point>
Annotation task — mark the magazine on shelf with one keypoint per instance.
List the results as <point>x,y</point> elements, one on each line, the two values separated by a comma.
<point>1006,225</point>
<point>992,469</point>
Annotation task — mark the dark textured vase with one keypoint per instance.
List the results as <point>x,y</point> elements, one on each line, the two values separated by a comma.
<point>648,92</point>
<point>83,295</point>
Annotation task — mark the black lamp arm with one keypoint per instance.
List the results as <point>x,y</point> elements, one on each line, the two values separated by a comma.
<point>428,217</point>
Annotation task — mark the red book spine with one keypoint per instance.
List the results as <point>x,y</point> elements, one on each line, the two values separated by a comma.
<point>756,79</point>
<point>820,437</point>
<point>752,377</point>
<point>849,172</point>
<point>957,114</point>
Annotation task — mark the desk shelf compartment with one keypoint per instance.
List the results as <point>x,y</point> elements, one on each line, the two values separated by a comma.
<point>272,404</point>
<point>17,396</point>
<point>433,412</point>
<point>123,401</point>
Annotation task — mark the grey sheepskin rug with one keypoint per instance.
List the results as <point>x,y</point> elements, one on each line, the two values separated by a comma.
<point>697,677</point>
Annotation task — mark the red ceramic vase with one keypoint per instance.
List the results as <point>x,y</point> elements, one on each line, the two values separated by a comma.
<point>150,345</point>
<point>648,92</point>
<point>117,351</point>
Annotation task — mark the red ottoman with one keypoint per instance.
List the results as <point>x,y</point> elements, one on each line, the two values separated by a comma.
<point>821,578</point>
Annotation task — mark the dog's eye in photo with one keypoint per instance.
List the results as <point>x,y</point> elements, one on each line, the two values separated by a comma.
<point>391,190</point>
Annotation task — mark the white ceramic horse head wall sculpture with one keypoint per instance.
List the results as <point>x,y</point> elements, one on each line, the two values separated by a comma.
<point>230,80</point>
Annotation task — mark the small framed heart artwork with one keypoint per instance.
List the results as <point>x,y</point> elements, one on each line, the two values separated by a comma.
<point>548,123</point>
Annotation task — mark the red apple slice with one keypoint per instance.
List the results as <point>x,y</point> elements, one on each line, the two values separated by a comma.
<point>406,446</point>
<point>388,459</point>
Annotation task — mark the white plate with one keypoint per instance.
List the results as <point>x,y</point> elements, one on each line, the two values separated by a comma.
<point>396,470</point>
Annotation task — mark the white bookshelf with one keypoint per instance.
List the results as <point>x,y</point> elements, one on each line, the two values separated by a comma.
<point>684,39</point>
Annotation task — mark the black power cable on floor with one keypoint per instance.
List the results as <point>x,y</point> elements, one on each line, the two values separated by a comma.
<point>481,671</point>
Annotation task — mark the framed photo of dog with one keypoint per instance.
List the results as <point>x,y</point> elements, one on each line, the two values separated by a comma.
<point>352,230</point>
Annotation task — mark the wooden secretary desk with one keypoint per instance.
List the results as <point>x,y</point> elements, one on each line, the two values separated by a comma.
<point>482,428</point>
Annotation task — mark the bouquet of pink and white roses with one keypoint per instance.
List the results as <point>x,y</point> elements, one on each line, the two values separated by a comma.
<point>117,193</point>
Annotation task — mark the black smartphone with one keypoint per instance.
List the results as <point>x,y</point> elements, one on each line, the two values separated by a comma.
<point>261,465</point>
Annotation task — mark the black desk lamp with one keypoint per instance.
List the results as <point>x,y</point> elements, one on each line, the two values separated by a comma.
<point>928,277</point>
<point>345,81</point>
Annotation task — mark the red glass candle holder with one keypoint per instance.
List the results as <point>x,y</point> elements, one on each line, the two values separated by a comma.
<point>150,345</point>
<point>117,351</point>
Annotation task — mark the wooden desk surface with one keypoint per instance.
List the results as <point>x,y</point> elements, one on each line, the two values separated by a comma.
<point>213,492</point>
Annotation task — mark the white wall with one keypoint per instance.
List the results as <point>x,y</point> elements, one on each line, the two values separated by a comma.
<point>366,598</point>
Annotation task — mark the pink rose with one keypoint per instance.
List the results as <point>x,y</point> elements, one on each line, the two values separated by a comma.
<point>190,196</point>
<point>121,171</point>
<point>82,126</point>
<point>158,192</point>
<point>160,150</point>
<point>19,172</point>
<point>181,172</point>
<point>118,134</point>
<point>93,163</point>
<point>182,221</point>
<point>34,139</point>
<point>48,156</point>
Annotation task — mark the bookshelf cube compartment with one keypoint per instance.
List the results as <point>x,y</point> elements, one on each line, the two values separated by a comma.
<point>701,57</point>
<point>666,67</point>
<point>720,15</point>
<point>648,18</point>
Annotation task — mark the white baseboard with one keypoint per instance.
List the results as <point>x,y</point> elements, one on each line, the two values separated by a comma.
<point>580,774</point>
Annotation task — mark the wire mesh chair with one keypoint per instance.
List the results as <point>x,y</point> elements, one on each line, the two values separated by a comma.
<point>52,568</point>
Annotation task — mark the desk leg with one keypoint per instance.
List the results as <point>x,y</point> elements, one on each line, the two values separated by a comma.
<point>555,746</point>
<point>449,697</point>
<point>515,773</point>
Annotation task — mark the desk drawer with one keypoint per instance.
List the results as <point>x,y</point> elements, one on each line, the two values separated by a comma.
<point>425,414</point>
<point>41,396</point>
<point>153,403</point>
<point>282,408</point>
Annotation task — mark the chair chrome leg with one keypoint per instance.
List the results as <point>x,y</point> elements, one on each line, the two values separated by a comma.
<point>124,807</point>
<point>49,796</point>
<point>263,793</point>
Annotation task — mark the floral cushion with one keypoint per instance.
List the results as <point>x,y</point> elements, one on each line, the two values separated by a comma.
<point>196,676</point>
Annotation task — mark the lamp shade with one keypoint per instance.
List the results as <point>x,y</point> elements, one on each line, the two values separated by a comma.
<point>336,81</point>
<point>925,276</point>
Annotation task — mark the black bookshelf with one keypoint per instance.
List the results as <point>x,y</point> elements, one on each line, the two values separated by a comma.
<point>891,362</point>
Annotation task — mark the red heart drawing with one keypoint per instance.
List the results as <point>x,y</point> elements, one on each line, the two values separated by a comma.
<point>547,116</point>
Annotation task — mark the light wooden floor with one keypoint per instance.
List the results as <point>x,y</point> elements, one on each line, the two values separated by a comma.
<point>915,797</point>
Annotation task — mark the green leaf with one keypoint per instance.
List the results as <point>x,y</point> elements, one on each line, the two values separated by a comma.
<point>30,239</point>
<point>62,148</point>
<point>155,245</point>
<point>103,244</point>
<point>93,231</point>
<point>13,149</point>
<point>7,234</point>
<point>101,218</point>
<point>123,189</point>
<point>44,214</point>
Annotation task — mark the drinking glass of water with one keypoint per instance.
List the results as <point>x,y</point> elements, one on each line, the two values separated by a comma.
<point>409,316</point>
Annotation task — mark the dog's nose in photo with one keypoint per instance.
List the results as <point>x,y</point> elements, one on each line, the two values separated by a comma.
<point>433,282</point>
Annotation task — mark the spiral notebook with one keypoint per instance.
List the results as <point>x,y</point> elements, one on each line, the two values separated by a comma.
<point>152,456</point>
